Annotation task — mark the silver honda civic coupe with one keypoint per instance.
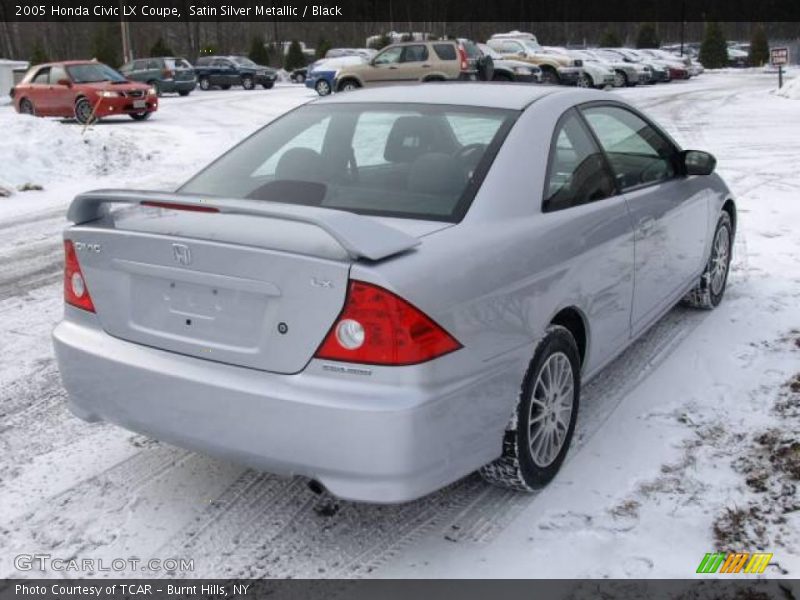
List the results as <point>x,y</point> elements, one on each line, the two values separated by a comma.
<point>386,290</point>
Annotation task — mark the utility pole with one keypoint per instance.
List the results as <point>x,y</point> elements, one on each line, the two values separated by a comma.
<point>126,41</point>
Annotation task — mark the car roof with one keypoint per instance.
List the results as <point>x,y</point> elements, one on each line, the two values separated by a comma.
<point>67,63</point>
<point>512,96</point>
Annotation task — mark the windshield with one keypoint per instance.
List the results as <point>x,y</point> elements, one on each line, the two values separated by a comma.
<point>94,72</point>
<point>534,46</point>
<point>243,61</point>
<point>413,161</point>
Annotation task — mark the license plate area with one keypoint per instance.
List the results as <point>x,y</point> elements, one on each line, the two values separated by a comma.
<point>139,104</point>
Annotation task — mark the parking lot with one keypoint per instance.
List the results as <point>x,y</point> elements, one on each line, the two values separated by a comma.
<point>661,434</point>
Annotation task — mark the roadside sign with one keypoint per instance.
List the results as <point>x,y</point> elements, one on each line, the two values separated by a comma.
<point>779,56</point>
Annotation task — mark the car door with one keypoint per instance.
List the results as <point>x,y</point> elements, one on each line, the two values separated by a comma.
<point>39,92</point>
<point>60,96</point>
<point>216,72</point>
<point>669,211</point>
<point>593,236</point>
<point>385,66</point>
<point>414,63</point>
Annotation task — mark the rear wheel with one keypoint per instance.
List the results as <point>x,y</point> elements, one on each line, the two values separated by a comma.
<point>247,83</point>
<point>143,116</point>
<point>550,76</point>
<point>323,87</point>
<point>620,79</point>
<point>585,81</point>
<point>26,107</point>
<point>348,85</point>
<point>536,443</point>
<point>709,290</point>
<point>84,113</point>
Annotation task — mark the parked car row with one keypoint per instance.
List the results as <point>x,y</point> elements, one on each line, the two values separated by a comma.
<point>513,56</point>
<point>89,90</point>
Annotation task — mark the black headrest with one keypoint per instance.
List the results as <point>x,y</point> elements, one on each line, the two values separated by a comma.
<point>299,164</point>
<point>409,138</point>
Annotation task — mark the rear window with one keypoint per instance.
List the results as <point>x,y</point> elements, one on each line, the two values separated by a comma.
<point>445,51</point>
<point>412,161</point>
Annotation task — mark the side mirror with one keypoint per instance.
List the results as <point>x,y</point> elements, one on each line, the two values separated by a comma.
<point>65,82</point>
<point>697,162</point>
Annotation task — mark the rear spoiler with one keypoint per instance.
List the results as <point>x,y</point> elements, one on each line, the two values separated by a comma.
<point>360,236</point>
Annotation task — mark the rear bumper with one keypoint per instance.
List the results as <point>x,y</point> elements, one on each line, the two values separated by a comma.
<point>362,440</point>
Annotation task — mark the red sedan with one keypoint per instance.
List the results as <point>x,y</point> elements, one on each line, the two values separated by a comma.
<point>85,90</point>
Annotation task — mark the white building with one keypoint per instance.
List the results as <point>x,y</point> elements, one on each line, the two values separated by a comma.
<point>11,72</point>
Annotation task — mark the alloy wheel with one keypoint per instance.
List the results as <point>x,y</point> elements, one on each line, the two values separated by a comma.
<point>551,409</point>
<point>323,87</point>
<point>720,258</point>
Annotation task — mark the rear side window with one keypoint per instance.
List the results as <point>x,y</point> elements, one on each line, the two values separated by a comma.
<point>139,65</point>
<point>415,53</point>
<point>153,63</point>
<point>577,172</point>
<point>638,153</point>
<point>445,51</point>
<point>43,76</point>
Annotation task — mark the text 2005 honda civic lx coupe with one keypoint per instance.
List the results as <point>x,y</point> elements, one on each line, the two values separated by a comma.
<point>386,290</point>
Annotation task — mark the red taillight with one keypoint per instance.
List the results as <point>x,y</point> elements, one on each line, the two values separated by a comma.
<point>176,206</point>
<point>380,328</point>
<point>75,291</point>
<point>462,56</point>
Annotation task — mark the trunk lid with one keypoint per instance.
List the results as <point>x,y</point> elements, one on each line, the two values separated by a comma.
<point>230,287</point>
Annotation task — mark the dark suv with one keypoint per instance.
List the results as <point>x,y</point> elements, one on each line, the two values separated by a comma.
<point>225,71</point>
<point>167,74</point>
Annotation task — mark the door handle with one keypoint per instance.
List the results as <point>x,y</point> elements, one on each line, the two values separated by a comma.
<point>426,66</point>
<point>646,225</point>
<point>392,67</point>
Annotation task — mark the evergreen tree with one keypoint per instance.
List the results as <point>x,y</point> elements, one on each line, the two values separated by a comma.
<point>39,54</point>
<point>323,46</point>
<point>105,43</point>
<point>381,42</point>
<point>759,48</point>
<point>647,36</point>
<point>294,57</point>
<point>161,49</point>
<point>714,49</point>
<point>258,51</point>
<point>610,39</point>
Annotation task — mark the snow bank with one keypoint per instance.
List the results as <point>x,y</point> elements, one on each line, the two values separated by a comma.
<point>43,151</point>
<point>790,89</point>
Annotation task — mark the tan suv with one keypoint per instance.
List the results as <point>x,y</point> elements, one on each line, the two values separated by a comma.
<point>417,61</point>
<point>556,68</point>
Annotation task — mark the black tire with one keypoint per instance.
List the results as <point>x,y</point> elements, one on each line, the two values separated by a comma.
<point>142,116</point>
<point>549,75</point>
<point>184,92</point>
<point>518,467</point>
<point>621,79</point>
<point>155,85</point>
<point>84,111</point>
<point>268,86</point>
<point>227,86</point>
<point>322,87</point>
<point>247,83</point>
<point>585,80</point>
<point>348,85</point>
<point>205,83</point>
<point>708,292</point>
<point>485,68</point>
<point>26,108</point>
<point>502,76</point>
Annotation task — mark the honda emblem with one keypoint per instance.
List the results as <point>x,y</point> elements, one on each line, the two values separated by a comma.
<point>182,254</point>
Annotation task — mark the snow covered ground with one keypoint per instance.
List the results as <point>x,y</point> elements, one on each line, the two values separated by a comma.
<point>687,444</point>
